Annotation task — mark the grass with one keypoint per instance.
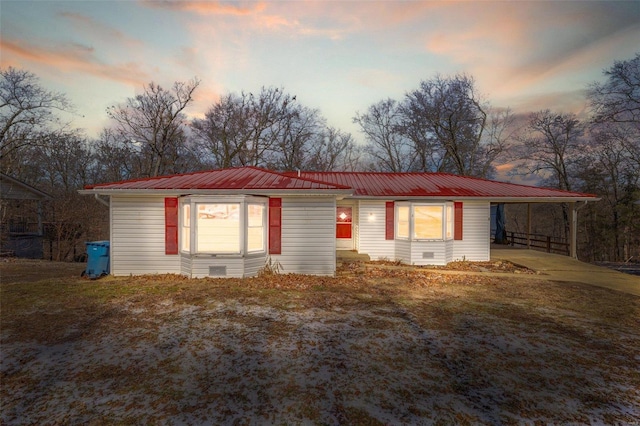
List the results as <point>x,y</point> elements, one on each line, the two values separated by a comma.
<point>394,345</point>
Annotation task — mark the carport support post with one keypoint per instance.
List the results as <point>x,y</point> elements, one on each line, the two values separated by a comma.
<point>573,234</point>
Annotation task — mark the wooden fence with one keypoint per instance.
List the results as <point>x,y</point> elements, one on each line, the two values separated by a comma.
<point>539,242</point>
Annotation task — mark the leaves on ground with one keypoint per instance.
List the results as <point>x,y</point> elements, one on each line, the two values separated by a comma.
<point>374,345</point>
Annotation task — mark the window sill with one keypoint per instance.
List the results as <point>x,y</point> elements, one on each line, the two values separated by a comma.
<point>224,255</point>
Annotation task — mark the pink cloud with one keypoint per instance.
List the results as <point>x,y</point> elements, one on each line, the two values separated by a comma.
<point>72,58</point>
<point>208,7</point>
<point>99,31</point>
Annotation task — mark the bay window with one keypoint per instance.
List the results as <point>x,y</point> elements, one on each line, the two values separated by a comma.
<point>424,221</point>
<point>223,225</point>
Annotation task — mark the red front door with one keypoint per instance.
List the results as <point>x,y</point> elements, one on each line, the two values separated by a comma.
<point>343,222</point>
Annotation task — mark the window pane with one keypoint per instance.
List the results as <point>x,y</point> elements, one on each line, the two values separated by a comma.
<point>256,215</point>
<point>403,222</point>
<point>186,215</point>
<point>218,228</point>
<point>255,239</point>
<point>255,228</point>
<point>186,230</point>
<point>427,222</point>
<point>449,225</point>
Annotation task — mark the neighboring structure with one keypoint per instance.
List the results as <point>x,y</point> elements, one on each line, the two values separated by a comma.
<point>21,207</point>
<point>231,222</point>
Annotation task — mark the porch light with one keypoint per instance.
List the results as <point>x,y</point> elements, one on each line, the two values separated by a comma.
<point>372,217</point>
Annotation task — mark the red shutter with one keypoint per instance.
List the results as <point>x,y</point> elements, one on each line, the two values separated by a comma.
<point>275,225</point>
<point>389,221</point>
<point>457,221</point>
<point>171,226</point>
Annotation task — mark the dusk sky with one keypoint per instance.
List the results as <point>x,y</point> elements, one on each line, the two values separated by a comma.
<point>337,56</point>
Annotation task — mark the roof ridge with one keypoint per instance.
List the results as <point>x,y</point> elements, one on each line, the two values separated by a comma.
<point>285,174</point>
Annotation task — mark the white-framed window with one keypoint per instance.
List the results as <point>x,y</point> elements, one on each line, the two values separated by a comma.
<point>185,230</point>
<point>256,225</point>
<point>403,221</point>
<point>424,221</point>
<point>218,228</point>
<point>448,233</point>
<point>428,221</point>
<point>223,225</point>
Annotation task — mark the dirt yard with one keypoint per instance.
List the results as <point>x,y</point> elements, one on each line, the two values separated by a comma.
<point>375,345</point>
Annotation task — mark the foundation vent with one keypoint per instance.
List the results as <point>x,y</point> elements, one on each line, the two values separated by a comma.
<point>428,255</point>
<point>217,271</point>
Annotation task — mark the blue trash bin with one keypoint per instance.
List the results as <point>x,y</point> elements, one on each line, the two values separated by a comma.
<point>97,259</point>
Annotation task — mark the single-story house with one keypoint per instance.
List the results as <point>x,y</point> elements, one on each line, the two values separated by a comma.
<point>231,222</point>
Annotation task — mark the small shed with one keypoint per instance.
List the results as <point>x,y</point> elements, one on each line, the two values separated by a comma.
<point>21,211</point>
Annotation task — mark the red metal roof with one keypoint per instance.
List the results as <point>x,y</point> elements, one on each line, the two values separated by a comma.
<point>238,178</point>
<point>358,184</point>
<point>375,184</point>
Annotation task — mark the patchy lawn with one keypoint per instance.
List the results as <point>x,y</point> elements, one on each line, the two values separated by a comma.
<point>381,346</point>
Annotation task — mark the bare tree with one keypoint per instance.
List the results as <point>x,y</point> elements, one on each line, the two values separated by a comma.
<point>606,168</point>
<point>27,114</point>
<point>611,164</point>
<point>241,130</point>
<point>446,119</point>
<point>332,150</point>
<point>222,132</point>
<point>66,163</point>
<point>114,157</point>
<point>271,129</point>
<point>618,98</point>
<point>550,146</point>
<point>152,124</point>
<point>270,112</point>
<point>297,132</point>
<point>444,125</point>
<point>387,146</point>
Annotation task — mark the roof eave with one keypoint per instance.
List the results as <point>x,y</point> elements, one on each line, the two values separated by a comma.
<point>483,198</point>
<point>177,192</point>
<point>26,187</point>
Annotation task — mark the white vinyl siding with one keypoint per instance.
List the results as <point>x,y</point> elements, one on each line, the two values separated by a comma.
<point>185,264</point>
<point>224,267</point>
<point>429,252</point>
<point>200,266</point>
<point>371,229</point>
<point>476,239</point>
<point>308,236</point>
<point>253,265</point>
<point>137,244</point>
<point>403,251</point>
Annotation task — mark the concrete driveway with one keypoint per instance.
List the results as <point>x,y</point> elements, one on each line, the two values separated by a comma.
<point>564,268</point>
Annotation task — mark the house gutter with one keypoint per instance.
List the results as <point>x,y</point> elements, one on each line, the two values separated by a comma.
<point>101,201</point>
<point>195,191</point>
<point>486,198</point>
